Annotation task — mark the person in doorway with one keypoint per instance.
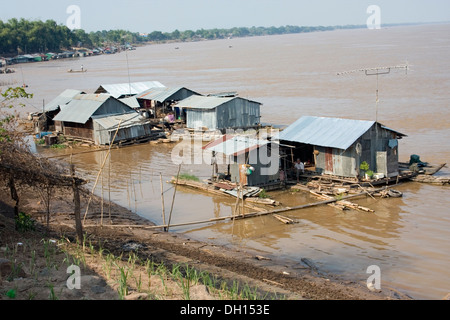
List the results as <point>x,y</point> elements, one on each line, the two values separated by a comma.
<point>300,168</point>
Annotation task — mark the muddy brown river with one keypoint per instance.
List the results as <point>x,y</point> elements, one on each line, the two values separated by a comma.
<point>294,75</point>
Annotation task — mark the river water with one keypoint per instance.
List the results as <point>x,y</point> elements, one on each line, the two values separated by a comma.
<point>294,75</point>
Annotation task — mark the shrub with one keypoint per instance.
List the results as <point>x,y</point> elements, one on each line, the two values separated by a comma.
<point>24,222</point>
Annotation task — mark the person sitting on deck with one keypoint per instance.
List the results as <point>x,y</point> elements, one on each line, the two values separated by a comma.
<point>300,168</point>
<point>169,120</point>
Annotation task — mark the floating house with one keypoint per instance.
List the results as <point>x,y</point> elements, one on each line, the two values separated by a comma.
<point>158,101</point>
<point>84,118</point>
<point>219,113</point>
<point>338,146</point>
<point>131,102</point>
<point>123,90</point>
<point>23,58</point>
<point>62,100</point>
<point>252,162</point>
<point>43,121</point>
<point>129,126</point>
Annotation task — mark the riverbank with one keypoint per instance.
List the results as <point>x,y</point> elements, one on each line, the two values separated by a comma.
<point>271,278</point>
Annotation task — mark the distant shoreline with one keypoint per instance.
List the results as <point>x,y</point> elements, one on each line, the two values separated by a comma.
<point>179,41</point>
<point>187,36</point>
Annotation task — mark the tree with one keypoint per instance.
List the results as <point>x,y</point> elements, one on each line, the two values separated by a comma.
<point>20,167</point>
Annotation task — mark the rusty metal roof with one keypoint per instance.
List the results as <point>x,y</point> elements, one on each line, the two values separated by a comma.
<point>82,107</point>
<point>327,132</point>
<point>111,122</point>
<point>60,101</point>
<point>163,94</point>
<point>202,102</point>
<point>122,89</point>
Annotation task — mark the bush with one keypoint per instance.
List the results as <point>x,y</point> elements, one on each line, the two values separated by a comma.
<point>263,194</point>
<point>24,222</point>
<point>364,166</point>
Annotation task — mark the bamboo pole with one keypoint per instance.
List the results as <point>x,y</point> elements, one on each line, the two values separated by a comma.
<point>162,201</point>
<point>173,199</point>
<point>135,196</point>
<point>248,215</point>
<point>236,205</point>
<point>102,201</point>
<point>101,170</point>
<point>109,188</point>
<point>242,199</point>
<point>367,191</point>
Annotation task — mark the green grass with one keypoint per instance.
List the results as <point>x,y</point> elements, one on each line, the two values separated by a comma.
<point>263,194</point>
<point>58,146</point>
<point>190,177</point>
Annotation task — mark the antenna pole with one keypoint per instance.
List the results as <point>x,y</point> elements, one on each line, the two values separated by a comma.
<point>128,69</point>
<point>376,72</point>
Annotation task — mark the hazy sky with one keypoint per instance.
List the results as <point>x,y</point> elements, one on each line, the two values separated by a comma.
<point>168,15</point>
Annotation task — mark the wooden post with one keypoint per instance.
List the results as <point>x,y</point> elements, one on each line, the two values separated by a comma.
<point>242,199</point>
<point>173,199</point>
<point>48,204</point>
<point>77,209</point>
<point>14,196</point>
<point>162,201</point>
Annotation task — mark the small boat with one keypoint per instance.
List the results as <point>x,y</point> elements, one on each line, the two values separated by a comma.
<point>424,168</point>
<point>73,71</point>
<point>432,169</point>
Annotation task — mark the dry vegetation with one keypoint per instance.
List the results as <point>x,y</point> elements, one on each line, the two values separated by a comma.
<point>38,267</point>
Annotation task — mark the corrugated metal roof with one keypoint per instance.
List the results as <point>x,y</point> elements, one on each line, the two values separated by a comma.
<point>119,89</point>
<point>201,102</point>
<point>112,121</point>
<point>161,94</point>
<point>131,102</point>
<point>60,101</point>
<point>235,145</point>
<point>81,108</point>
<point>327,132</point>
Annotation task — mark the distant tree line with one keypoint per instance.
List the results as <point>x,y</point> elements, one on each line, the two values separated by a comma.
<point>24,36</point>
<point>211,34</point>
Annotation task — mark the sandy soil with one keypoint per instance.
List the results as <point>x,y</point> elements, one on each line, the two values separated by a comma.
<point>274,279</point>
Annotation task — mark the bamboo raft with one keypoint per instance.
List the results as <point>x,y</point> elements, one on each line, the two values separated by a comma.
<point>214,189</point>
<point>341,204</point>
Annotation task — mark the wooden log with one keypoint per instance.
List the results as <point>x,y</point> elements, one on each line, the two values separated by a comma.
<point>325,197</point>
<point>210,189</point>
<point>269,202</point>
<point>283,219</point>
<point>342,203</point>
